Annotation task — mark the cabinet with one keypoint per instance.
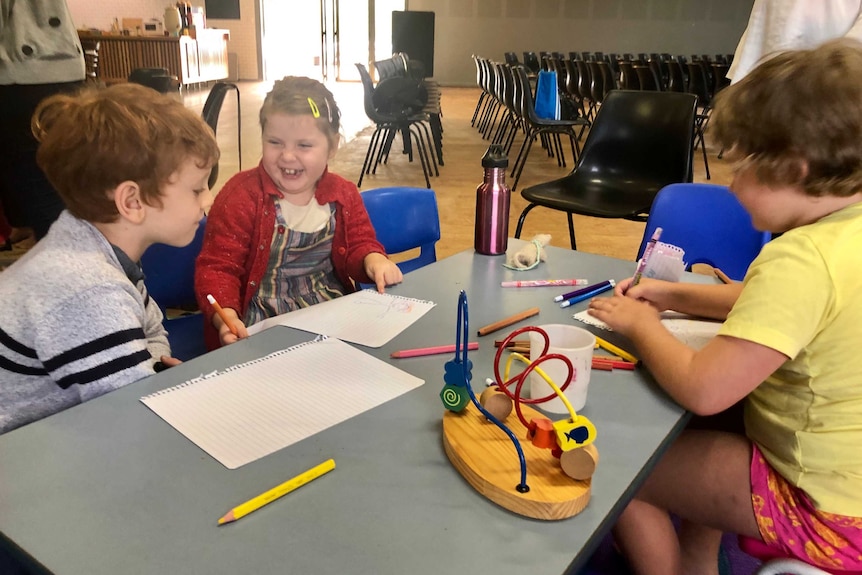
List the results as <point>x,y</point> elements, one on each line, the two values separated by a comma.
<point>191,60</point>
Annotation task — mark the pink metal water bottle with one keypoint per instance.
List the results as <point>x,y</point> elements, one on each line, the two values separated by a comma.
<point>492,204</point>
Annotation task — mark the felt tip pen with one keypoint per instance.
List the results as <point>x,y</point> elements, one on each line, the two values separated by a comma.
<point>578,292</point>
<point>588,295</point>
<point>543,283</point>
<point>639,271</point>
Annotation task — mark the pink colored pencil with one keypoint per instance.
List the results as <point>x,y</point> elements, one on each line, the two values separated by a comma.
<point>418,352</point>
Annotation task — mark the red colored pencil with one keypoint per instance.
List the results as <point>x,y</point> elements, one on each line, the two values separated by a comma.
<point>418,352</point>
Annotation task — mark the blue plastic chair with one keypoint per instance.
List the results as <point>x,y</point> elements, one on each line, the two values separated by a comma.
<point>405,219</point>
<point>170,279</point>
<point>709,223</point>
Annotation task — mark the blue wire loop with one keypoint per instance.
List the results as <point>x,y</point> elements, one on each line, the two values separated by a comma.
<point>463,329</point>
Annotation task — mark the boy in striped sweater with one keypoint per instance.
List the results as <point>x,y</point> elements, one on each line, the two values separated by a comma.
<point>76,322</point>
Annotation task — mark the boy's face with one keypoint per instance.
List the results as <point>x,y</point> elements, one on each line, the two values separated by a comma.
<point>295,154</point>
<point>185,199</point>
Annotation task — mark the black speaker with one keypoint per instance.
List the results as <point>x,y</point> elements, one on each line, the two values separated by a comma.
<point>413,34</point>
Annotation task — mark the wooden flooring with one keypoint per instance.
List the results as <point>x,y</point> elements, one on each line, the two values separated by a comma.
<point>455,187</point>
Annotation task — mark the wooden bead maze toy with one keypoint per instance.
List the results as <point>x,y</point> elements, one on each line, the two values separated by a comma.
<point>480,436</point>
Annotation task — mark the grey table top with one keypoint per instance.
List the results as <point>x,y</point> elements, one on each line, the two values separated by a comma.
<point>109,488</point>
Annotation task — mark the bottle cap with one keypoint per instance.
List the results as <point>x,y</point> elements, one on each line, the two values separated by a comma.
<point>495,157</point>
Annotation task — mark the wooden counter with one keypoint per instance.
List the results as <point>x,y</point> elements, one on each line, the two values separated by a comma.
<point>191,60</point>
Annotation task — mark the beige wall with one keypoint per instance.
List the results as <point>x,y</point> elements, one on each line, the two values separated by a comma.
<point>491,27</point>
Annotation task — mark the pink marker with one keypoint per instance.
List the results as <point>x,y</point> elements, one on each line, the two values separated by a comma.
<point>543,283</point>
<point>418,352</point>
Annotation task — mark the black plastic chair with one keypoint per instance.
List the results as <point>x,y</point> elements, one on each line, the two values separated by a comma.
<point>159,79</point>
<point>531,63</point>
<point>639,142</point>
<point>210,114</point>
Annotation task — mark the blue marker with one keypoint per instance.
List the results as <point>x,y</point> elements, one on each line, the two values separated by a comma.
<point>577,292</point>
<point>588,295</point>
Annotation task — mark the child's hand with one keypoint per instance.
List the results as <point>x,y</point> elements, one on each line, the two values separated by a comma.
<point>170,361</point>
<point>224,333</point>
<point>382,271</point>
<point>623,313</point>
<point>654,292</point>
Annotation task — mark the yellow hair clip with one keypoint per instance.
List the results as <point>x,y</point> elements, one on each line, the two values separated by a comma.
<point>314,110</point>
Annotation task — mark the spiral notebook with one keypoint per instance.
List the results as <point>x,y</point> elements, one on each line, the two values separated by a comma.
<point>365,317</point>
<point>256,408</point>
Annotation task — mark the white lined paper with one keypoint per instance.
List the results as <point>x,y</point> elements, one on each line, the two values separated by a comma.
<point>253,409</point>
<point>365,317</point>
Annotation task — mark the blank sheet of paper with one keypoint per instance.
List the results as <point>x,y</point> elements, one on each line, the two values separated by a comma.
<point>365,317</point>
<point>253,409</point>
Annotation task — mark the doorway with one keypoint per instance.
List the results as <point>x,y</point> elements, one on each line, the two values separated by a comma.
<point>323,39</point>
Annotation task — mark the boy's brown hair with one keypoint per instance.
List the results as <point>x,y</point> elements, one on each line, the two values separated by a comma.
<point>301,96</point>
<point>92,141</point>
<point>797,118</point>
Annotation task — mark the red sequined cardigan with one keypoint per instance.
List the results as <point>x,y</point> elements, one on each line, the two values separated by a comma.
<point>239,234</point>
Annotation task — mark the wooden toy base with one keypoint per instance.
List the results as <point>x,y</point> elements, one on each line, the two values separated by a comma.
<point>485,456</point>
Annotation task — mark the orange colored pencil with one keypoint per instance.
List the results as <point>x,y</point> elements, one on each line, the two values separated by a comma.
<point>220,311</point>
<point>509,321</point>
<point>722,276</point>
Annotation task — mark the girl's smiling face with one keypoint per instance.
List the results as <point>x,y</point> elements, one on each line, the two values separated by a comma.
<point>295,155</point>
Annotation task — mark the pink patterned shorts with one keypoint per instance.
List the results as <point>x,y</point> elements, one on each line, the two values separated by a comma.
<point>789,521</point>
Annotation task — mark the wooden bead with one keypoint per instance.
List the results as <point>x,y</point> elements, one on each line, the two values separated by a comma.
<point>541,433</point>
<point>496,402</point>
<point>580,463</point>
<point>455,398</point>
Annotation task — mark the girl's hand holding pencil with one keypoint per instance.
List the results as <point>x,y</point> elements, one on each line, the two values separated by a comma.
<point>226,321</point>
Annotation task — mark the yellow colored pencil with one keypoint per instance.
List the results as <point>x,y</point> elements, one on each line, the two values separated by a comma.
<point>277,491</point>
<point>608,346</point>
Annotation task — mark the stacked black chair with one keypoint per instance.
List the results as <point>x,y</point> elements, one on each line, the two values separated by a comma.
<point>408,122</point>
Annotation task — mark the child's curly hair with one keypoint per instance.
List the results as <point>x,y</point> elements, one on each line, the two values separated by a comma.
<point>92,141</point>
<point>797,118</point>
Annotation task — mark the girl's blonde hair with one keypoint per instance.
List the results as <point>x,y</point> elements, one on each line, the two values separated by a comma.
<point>298,95</point>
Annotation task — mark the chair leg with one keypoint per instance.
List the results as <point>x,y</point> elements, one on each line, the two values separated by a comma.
<point>522,218</point>
<point>429,145</point>
<point>478,106</point>
<point>572,232</point>
<point>529,143</point>
<point>366,165</point>
<point>421,152</point>
<point>437,133</point>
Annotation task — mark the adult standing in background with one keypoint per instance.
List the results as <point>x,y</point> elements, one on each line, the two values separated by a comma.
<point>778,25</point>
<point>40,55</point>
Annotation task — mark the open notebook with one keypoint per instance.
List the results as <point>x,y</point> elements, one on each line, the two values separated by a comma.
<point>253,409</point>
<point>365,317</point>
<point>692,331</point>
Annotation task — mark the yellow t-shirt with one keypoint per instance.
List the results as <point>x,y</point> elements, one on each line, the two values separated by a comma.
<point>802,296</point>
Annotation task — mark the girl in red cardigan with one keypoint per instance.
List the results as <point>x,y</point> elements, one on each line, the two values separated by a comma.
<point>288,233</point>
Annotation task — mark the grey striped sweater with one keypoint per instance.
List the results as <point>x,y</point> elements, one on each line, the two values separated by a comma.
<point>72,325</point>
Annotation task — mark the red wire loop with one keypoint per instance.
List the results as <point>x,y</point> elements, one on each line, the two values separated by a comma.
<point>519,379</point>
